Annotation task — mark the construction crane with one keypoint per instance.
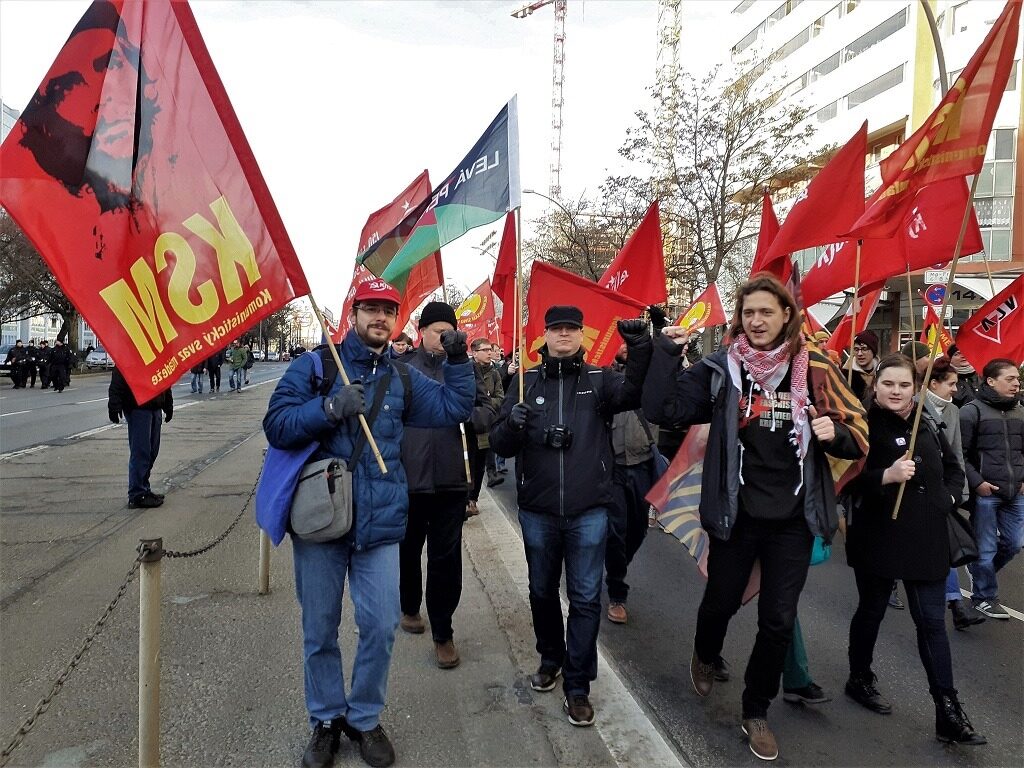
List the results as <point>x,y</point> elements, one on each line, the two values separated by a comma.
<point>557,85</point>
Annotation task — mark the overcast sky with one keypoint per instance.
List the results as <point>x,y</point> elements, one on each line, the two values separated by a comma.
<point>345,101</point>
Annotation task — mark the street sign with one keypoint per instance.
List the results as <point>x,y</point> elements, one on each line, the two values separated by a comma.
<point>945,315</point>
<point>932,276</point>
<point>935,293</point>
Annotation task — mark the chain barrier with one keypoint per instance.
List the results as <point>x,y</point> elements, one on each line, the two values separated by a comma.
<point>44,703</point>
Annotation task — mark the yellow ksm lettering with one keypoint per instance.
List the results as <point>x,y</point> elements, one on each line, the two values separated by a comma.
<point>141,309</point>
<point>946,124</point>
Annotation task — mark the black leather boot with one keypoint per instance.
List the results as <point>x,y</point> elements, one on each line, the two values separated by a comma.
<point>951,723</point>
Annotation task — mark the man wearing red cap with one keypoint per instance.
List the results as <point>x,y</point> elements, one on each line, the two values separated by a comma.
<point>305,408</point>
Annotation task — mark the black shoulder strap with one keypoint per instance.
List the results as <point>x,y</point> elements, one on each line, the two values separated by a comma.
<point>324,384</point>
<point>406,378</point>
<point>643,423</point>
<point>378,400</point>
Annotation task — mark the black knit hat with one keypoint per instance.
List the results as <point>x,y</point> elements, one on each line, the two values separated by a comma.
<point>438,312</point>
<point>562,314</point>
<point>869,339</point>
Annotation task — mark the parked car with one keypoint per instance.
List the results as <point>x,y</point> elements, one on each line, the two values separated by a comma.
<point>5,368</point>
<point>98,358</point>
<point>273,356</point>
<point>257,354</point>
<point>285,357</point>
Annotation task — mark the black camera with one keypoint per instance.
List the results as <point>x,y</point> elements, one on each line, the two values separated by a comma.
<point>558,436</point>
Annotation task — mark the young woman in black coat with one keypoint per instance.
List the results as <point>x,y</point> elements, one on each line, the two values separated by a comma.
<point>913,548</point>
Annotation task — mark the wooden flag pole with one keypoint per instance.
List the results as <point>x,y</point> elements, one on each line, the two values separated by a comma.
<point>345,380</point>
<point>910,312</point>
<point>519,303</point>
<point>935,340</point>
<point>853,328</point>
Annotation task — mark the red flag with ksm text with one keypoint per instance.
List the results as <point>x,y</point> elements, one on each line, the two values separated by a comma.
<point>601,307</point>
<point>952,141</point>
<point>503,284</point>
<point>131,175</point>
<point>705,312</point>
<point>476,315</point>
<point>639,269</point>
<point>996,329</point>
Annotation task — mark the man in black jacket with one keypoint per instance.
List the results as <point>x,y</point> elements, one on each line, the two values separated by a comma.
<point>213,364</point>
<point>435,470</point>
<point>16,358</point>
<point>143,436</point>
<point>560,434</point>
<point>61,361</point>
<point>766,487</point>
<point>43,362</point>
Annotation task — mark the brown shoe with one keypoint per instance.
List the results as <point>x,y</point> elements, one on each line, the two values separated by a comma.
<point>472,510</point>
<point>414,625</point>
<point>579,710</point>
<point>617,613</point>
<point>760,738</point>
<point>701,675</point>
<point>447,655</point>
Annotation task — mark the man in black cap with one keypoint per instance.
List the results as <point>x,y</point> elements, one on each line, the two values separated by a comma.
<point>435,468</point>
<point>864,362</point>
<point>559,432</point>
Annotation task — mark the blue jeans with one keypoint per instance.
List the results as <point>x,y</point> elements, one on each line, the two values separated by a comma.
<point>999,531</point>
<point>143,447</point>
<point>237,378</point>
<point>579,541</point>
<point>197,382</point>
<point>320,571</point>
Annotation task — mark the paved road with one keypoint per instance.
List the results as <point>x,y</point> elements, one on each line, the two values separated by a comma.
<point>34,417</point>
<point>652,652</point>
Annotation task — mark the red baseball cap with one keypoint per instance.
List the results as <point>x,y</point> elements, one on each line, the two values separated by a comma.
<point>376,290</point>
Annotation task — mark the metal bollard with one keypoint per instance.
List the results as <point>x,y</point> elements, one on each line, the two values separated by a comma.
<point>264,570</point>
<point>151,551</point>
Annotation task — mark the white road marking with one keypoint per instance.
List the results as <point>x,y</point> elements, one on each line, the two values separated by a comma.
<point>22,452</point>
<point>14,413</point>
<point>95,431</point>
<point>1016,614</point>
<point>186,405</point>
<point>84,402</point>
<point>624,727</point>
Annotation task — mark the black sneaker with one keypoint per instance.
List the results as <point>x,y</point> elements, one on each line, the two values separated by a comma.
<point>145,501</point>
<point>862,689</point>
<point>375,748</point>
<point>157,495</point>
<point>493,479</point>
<point>809,694</point>
<point>579,710</point>
<point>992,609</point>
<point>323,744</point>
<point>964,617</point>
<point>721,670</point>
<point>545,679</point>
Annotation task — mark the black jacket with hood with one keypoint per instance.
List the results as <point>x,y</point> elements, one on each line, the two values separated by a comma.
<point>992,431</point>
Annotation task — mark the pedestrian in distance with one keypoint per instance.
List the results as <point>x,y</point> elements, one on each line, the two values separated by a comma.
<point>43,362</point>
<point>992,427</point>
<point>435,470</point>
<point>198,374</point>
<point>213,365</point>
<point>401,346</point>
<point>250,361</point>
<point>489,396</point>
<point>967,379</point>
<point>767,488</point>
<point>31,361</point>
<point>144,422</point>
<point>913,548</point>
<point>16,358</point>
<point>559,433</point>
<point>61,361</point>
<point>236,358</point>
<point>304,408</point>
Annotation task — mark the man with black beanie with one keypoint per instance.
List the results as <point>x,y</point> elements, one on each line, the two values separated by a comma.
<point>435,468</point>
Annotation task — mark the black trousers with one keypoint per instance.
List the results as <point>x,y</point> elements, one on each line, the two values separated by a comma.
<point>44,375</point>
<point>215,378</point>
<point>627,524</point>
<point>477,466</point>
<point>784,549</point>
<point>30,371</point>
<point>927,603</point>
<point>434,518</point>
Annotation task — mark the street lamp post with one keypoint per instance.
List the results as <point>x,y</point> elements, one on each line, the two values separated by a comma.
<point>565,210</point>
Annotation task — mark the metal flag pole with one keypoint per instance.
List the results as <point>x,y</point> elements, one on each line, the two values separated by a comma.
<point>344,378</point>
<point>853,328</point>
<point>935,340</point>
<point>519,303</point>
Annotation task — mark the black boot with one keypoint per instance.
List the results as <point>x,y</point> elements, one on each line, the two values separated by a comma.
<point>963,617</point>
<point>951,723</point>
<point>861,688</point>
<point>323,744</point>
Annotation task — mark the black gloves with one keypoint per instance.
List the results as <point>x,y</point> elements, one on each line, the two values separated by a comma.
<point>114,414</point>
<point>167,416</point>
<point>454,343</point>
<point>517,417</point>
<point>349,401</point>
<point>632,331</point>
<point>658,318</point>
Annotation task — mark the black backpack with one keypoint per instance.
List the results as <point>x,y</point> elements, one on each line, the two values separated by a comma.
<point>323,385</point>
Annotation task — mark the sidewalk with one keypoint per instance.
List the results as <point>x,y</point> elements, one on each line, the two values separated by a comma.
<point>231,660</point>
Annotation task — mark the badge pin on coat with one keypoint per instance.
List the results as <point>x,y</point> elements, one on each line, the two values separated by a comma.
<point>539,400</point>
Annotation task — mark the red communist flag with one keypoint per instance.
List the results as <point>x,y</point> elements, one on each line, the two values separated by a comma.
<point>829,205</point>
<point>928,237</point>
<point>930,327</point>
<point>503,284</point>
<point>705,312</point>
<point>867,303</point>
<point>951,143</point>
<point>781,268</point>
<point>130,173</point>
<point>995,330</point>
<point>476,315</point>
<point>601,310</point>
<point>639,269</point>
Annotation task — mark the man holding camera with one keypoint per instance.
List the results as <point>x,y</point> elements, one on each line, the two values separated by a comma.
<point>560,433</point>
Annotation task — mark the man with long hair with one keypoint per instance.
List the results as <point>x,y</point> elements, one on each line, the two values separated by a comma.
<point>767,489</point>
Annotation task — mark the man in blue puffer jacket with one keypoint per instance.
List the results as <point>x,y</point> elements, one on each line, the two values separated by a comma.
<point>368,554</point>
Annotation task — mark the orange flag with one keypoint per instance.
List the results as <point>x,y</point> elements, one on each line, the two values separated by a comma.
<point>933,325</point>
<point>131,175</point>
<point>953,140</point>
<point>476,315</point>
<point>639,269</point>
<point>705,312</point>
